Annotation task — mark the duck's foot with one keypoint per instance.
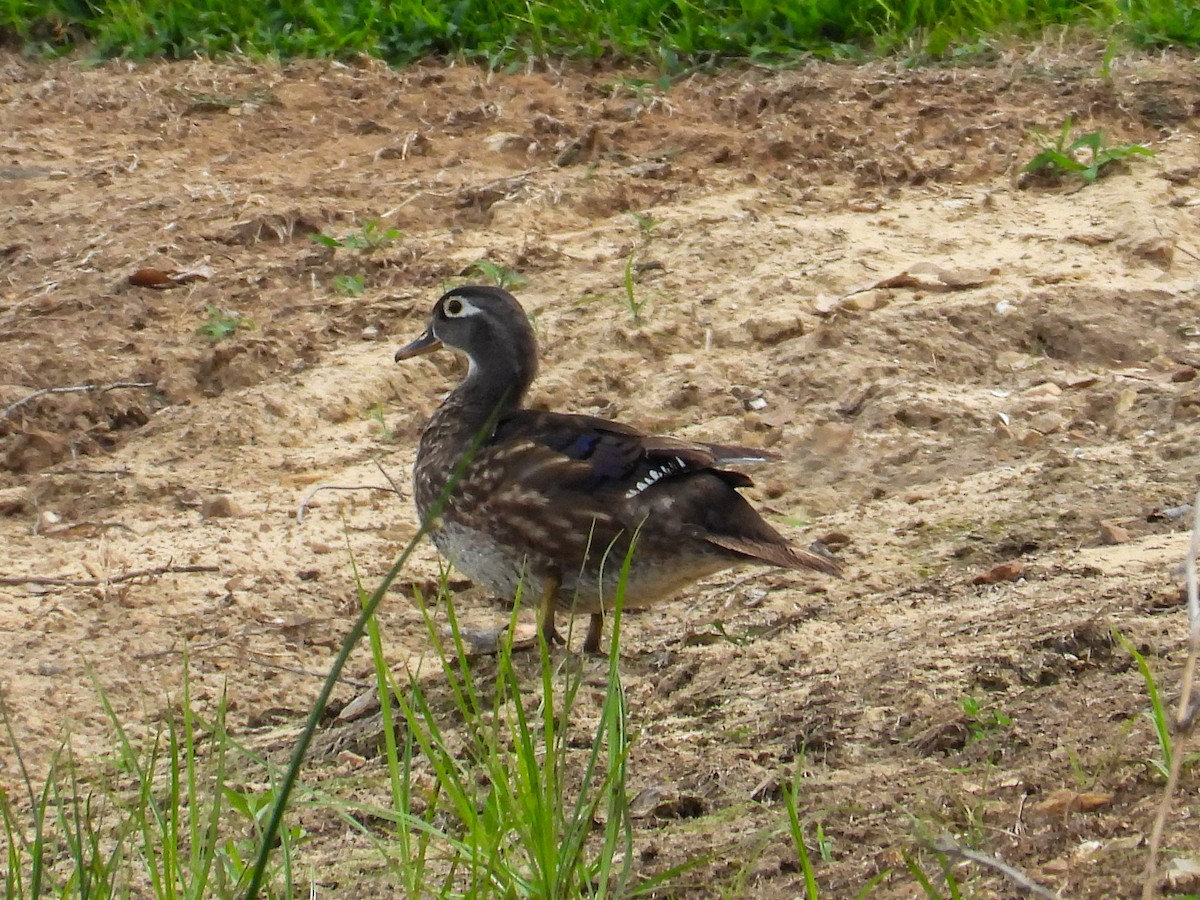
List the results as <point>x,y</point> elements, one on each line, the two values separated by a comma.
<point>552,637</point>
<point>591,644</point>
<point>546,614</point>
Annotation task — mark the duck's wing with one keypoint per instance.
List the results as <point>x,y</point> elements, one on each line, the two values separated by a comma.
<point>607,457</point>
<point>621,478</point>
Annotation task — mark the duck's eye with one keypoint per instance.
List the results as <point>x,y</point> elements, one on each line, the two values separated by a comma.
<point>454,307</point>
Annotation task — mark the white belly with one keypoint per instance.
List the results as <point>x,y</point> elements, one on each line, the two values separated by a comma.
<point>503,570</point>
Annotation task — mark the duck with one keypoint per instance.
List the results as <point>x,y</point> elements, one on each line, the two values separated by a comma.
<point>566,509</point>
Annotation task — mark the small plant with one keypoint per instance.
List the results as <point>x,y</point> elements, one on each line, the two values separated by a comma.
<point>646,224</point>
<point>1157,713</point>
<point>790,794</point>
<point>349,285</point>
<point>220,324</point>
<point>1088,156</point>
<point>370,237</point>
<point>501,276</point>
<point>982,723</point>
<point>824,844</point>
<point>632,301</point>
<point>375,413</point>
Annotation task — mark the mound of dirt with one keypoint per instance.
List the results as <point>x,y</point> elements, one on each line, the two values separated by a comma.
<point>984,392</point>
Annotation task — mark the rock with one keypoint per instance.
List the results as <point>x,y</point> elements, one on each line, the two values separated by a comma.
<point>650,169</point>
<point>502,141</point>
<point>1048,422</point>
<point>866,301</point>
<point>1183,875</point>
<point>1045,389</point>
<point>775,327</point>
<point>1185,373</point>
<point>13,500</point>
<point>1157,250</point>
<point>1015,361</point>
<point>1125,401</point>
<point>220,506</point>
<point>1031,438</point>
<point>826,304</point>
<point>1111,533</point>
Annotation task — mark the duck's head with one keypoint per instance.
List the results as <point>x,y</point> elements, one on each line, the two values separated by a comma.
<point>488,325</point>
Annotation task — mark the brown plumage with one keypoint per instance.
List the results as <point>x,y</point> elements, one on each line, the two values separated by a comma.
<point>547,504</point>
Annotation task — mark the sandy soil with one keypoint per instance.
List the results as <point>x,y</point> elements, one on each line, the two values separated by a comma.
<point>959,370</point>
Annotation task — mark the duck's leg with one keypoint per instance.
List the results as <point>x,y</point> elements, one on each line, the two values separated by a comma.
<point>591,643</point>
<point>546,610</point>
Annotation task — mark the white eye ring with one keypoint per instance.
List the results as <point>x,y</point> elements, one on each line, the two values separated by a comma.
<point>458,307</point>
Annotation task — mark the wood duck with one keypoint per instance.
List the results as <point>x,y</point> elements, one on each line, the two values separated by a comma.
<point>547,504</point>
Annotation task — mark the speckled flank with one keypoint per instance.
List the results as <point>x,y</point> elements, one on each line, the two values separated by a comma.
<point>500,569</point>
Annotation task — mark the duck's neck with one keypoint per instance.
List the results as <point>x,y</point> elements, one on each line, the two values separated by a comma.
<point>468,415</point>
<point>490,390</point>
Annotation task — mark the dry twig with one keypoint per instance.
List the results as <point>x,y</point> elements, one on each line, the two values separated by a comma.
<point>75,389</point>
<point>96,582</point>
<point>391,489</point>
<point>1025,884</point>
<point>1185,718</point>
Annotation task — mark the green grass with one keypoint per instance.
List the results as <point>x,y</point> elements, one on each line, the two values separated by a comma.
<point>671,34</point>
<point>159,817</point>
<point>176,816</point>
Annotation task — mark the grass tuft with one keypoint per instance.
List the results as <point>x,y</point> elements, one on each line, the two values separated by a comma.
<point>673,35</point>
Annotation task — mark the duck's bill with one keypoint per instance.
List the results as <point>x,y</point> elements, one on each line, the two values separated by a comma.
<point>426,343</point>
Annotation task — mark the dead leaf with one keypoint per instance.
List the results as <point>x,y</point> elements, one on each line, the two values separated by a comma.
<point>162,279</point>
<point>151,278</point>
<point>927,276</point>
<point>1063,801</point>
<point>1006,571</point>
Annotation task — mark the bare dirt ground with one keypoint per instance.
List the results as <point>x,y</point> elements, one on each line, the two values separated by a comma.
<point>959,371</point>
